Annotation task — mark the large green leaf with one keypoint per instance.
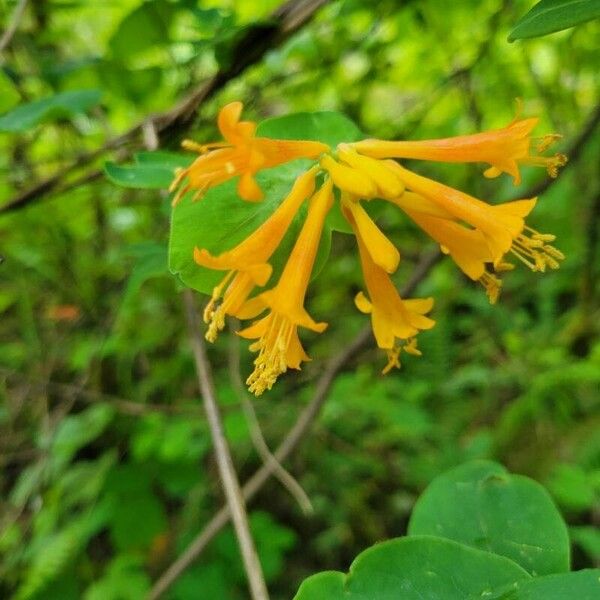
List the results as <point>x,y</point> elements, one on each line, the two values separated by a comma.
<point>327,126</point>
<point>481,504</point>
<point>549,16</point>
<point>147,26</point>
<point>61,105</point>
<point>221,219</point>
<point>580,585</point>
<point>415,568</point>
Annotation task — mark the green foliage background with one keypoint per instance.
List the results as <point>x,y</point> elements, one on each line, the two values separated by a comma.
<point>106,470</point>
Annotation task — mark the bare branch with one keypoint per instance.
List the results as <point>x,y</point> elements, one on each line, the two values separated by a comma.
<point>286,479</point>
<point>247,50</point>
<point>291,441</point>
<point>14,24</point>
<point>229,480</point>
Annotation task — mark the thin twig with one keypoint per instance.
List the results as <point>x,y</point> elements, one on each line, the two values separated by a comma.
<point>290,442</point>
<point>14,24</point>
<point>246,51</point>
<point>286,479</point>
<point>127,407</point>
<point>229,480</point>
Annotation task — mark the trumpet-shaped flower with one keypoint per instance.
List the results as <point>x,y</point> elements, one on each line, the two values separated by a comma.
<point>277,344</point>
<point>247,264</point>
<point>241,154</point>
<point>466,246</point>
<point>395,321</point>
<point>476,235</point>
<point>503,149</point>
<point>502,226</point>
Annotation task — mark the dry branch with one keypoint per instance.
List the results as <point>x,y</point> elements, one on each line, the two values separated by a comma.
<point>290,442</point>
<point>246,51</point>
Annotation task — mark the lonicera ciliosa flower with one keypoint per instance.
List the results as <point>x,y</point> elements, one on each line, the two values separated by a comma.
<point>478,236</point>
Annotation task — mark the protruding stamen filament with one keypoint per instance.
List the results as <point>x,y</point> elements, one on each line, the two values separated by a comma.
<point>272,354</point>
<point>393,356</point>
<point>504,266</point>
<point>551,163</point>
<point>492,285</point>
<point>532,250</point>
<point>543,143</point>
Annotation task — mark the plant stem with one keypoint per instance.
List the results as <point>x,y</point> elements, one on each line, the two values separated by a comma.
<point>229,480</point>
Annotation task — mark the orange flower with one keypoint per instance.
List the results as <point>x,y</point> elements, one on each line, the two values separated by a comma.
<point>395,321</point>
<point>504,149</point>
<point>502,226</point>
<point>242,153</point>
<point>478,236</point>
<point>247,262</point>
<point>466,246</point>
<point>277,342</point>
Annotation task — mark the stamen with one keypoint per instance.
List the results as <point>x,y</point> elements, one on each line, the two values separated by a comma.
<point>202,148</point>
<point>552,163</point>
<point>271,360</point>
<point>214,315</point>
<point>192,146</point>
<point>393,356</point>
<point>411,347</point>
<point>546,141</point>
<point>504,266</point>
<point>534,252</point>
<point>492,285</point>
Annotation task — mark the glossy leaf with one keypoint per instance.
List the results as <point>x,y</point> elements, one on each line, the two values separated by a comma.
<point>482,505</point>
<point>414,568</point>
<point>580,585</point>
<point>151,170</point>
<point>549,16</point>
<point>59,106</point>
<point>221,219</point>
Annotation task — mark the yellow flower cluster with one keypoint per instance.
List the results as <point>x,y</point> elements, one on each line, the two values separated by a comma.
<point>478,236</point>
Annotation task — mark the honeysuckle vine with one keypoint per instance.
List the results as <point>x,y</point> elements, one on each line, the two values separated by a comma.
<point>481,238</point>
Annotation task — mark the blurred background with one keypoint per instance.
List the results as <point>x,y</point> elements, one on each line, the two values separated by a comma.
<point>106,470</point>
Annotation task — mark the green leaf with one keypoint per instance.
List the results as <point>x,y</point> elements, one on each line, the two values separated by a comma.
<point>164,159</point>
<point>221,219</point>
<point>327,126</point>
<point>139,176</point>
<point>151,170</point>
<point>53,553</point>
<point>587,537</point>
<point>150,262</point>
<point>76,431</point>
<point>482,505</point>
<point>549,16</point>
<point>572,487</point>
<point>55,107</point>
<point>580,585</point>
<point>124,579</point>
<point>136,84</point>
<point>143,28</point>
<point>137,516</point>
<point>415,568</point>
<point>9,96</point>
